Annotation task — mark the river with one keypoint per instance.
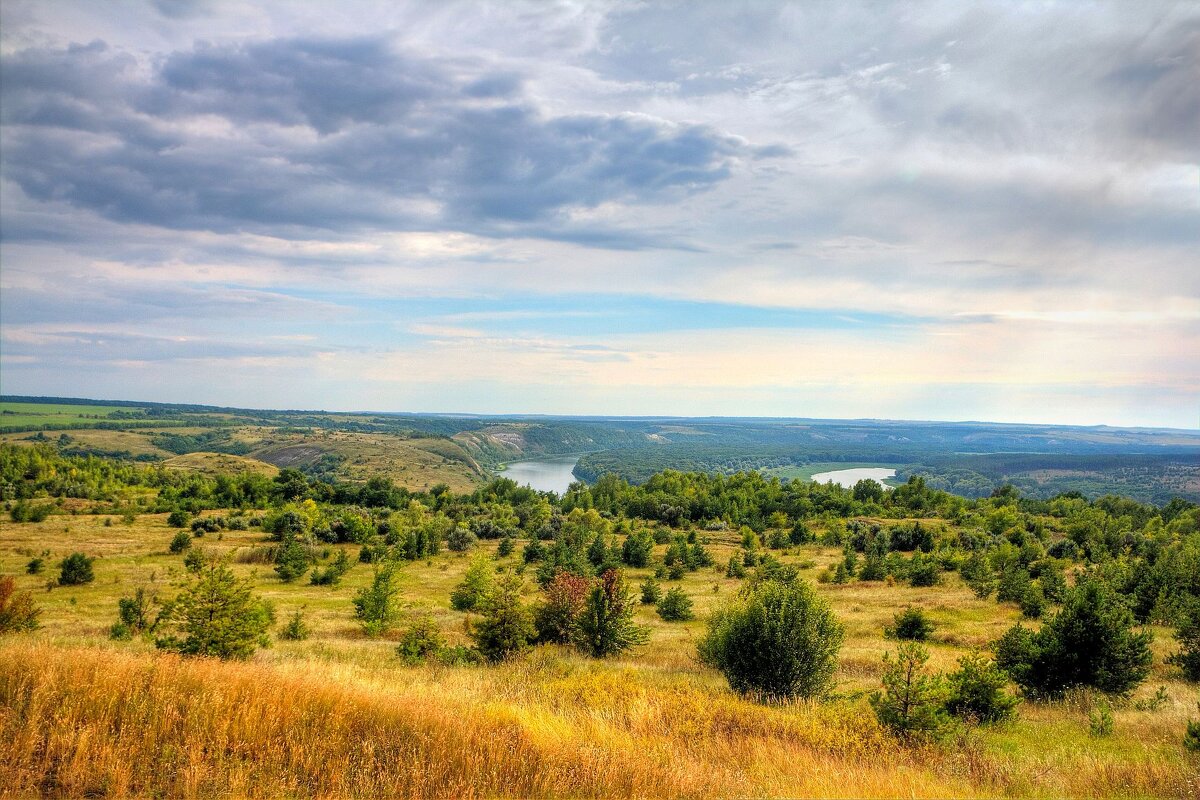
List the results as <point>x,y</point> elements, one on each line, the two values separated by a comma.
<point>849,477</point>
<point>549,474</point>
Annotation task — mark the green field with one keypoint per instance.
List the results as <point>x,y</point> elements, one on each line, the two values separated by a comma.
<point>51,414</point>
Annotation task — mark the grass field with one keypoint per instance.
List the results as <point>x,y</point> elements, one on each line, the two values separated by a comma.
<point>338,714</point>
<point>29,414</point>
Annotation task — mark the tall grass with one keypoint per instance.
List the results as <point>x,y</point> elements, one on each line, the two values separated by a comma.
<point>102,722</point>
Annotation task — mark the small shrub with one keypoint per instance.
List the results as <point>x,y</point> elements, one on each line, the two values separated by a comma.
<point>911,624</point>
<point>475,585</point>
<point>179,518</point>
<point>507,625</point>
<point>18,612</point>
<point>420,641</point>
<point>505,548</point>
<point>911,703</point>
<point>76,569</point>
<point>181,541</point>
<point>779,639</point>
<point>557,619</point>
<point>606,626</point>
<point>375,606</point>
<point>1188,635</point>
<point>215,614</point>
<point>675,606</point>
<point>976,691</point>
<point>296,629</point>
<point>651,591</point>
<point>461,540</point>
<point>1191,736</point>
<point>35,566</point>
<point>1100,720</point>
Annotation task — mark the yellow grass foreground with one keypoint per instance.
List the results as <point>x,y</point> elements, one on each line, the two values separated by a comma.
<point>99,722</point>
<point>89,721</point>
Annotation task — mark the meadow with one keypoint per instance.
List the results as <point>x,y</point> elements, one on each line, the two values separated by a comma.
<point>341,715</point>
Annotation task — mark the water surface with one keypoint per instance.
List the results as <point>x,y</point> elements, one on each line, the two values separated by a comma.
<point>849,477</point>
<point>549,474</point>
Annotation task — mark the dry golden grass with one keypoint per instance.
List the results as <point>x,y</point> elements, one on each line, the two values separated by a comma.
<point>98,722</point>
<point>338,715</point>
<point>220,463</point>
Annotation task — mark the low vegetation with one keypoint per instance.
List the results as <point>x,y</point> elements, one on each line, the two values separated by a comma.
<point>697,635</point>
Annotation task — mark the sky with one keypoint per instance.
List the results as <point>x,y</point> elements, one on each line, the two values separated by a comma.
<point>918,210</point>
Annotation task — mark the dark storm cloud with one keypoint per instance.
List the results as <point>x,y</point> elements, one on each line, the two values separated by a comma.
<point>288,135</point>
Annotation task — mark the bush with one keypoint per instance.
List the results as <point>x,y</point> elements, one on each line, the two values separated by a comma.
<point>505,548</point>
<point>675,606</point>
<point>1191,737</point>
<point>76,569</point>
<point>476,583</point>
<point>292,559</point>
<point>331,575</point>
<point>296,629</point>
<point>181,541</point>
<point>420,641</point>
<point>637,549</point>
<point>1188,636</point>
<point>216,614</point>
<point>1090,642</point>
<point>911,703</point>
<point>778,640</point>
<point>375,605</point>
<point>651,591</point>
<point>461,540</point>
<point>507,626</point>
<point>35,566</point>
<point>18,612</point>
<point>606,625</point>
<point>557,619</point>
<point>977,691</point>
<point>924,571</point>
<point>910,624</point>
<point>179,518</point>
<point>25,512</point>
<point>133,615</point>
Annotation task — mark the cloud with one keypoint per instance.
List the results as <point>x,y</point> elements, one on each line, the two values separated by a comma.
<point>290,135</point>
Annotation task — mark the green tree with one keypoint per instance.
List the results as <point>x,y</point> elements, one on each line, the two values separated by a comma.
<point>606,626</point>
<point>181,541</point>
<point>911,701</point>
<point>651,591</point>
<point>675,606</point>
<point>76,569</point>
<point>637,548</point>
<point>1090,642</point>
<point>507,624</point>
<point>296,629</point>
<point>475,585</point>
<point>215,614</point>
<point>977,691</point>
<point>420,641</point>
<point>375,606</point>
<point>291,558</point>
<point>911,624</point>
<point>778,639</point>
<point>1187,658</point>
<point>557,619</point>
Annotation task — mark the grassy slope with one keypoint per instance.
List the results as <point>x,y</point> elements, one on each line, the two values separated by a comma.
<point>338,715</point>
<point>220,463</point>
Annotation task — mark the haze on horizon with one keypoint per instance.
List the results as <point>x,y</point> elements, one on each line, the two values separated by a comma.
<point>825,210</point>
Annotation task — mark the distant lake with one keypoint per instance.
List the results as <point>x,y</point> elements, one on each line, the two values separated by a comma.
<point>849,477</point>
<point>550,474</point>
